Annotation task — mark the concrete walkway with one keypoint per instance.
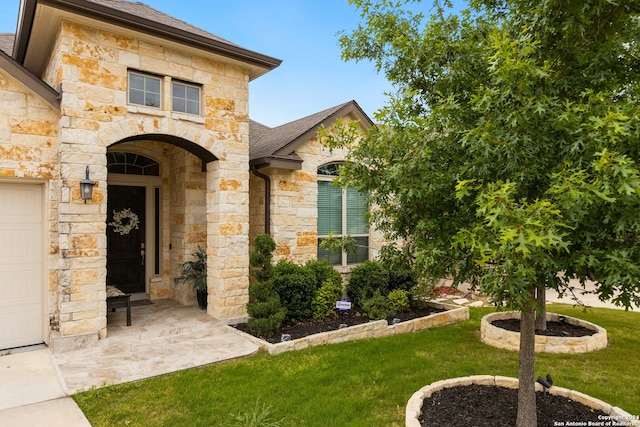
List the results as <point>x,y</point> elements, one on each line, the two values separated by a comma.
<point>164,337</point>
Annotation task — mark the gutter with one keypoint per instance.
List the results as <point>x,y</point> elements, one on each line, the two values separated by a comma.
<point>267,198</point>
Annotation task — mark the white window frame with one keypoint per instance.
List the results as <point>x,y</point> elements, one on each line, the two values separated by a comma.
<point>144,91</point>
<point>344,257</point>
<point>186,100</point>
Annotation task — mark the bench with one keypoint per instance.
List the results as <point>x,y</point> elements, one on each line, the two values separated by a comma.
<point>118,299</point>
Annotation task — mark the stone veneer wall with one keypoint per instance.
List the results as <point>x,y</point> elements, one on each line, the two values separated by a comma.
<point>90,66</point>
<point>294,211</point>
<point>29,153</point>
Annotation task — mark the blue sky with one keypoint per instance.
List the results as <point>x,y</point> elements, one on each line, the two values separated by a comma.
<point>302,33</point>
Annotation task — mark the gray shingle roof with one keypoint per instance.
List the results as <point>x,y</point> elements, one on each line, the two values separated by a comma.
<point>6,43</point>
<point>265,141</point>
<point>142,10</point>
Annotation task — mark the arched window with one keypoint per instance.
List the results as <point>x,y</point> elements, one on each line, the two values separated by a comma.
<point>131,164</point>
<point>341,212</point>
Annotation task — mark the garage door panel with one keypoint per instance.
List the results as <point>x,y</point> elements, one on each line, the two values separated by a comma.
<point>21,255</point>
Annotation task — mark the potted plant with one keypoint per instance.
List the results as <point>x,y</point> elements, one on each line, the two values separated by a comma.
<point>196,270</point>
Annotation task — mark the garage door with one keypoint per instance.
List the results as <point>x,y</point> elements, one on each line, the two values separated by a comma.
<point>20,265</point>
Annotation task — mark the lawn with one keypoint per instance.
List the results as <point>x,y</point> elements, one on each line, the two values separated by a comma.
<point>363,383</point>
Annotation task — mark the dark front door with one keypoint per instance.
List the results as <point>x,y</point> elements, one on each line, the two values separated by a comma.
<point>126,244</point>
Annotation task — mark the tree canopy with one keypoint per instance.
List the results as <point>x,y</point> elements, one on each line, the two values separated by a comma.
<point>510,151</point>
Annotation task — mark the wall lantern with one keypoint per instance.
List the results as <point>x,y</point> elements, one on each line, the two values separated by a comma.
<point>86,188</point>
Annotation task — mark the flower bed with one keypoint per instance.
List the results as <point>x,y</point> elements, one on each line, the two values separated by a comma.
<point>373,329</point>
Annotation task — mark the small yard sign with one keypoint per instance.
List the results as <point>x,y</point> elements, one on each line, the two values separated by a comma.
<point>344,305</point>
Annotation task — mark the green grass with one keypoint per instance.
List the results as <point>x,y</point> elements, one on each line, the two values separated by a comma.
<point>363,383</point>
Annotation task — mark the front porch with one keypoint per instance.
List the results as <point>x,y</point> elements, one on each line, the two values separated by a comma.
<point>164,337</point>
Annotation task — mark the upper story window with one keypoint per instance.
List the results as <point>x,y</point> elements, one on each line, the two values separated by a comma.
<point>341,212</point>
<point>144,90</point>
<point>185,98</point>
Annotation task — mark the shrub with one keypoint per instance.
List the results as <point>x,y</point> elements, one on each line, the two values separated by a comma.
<point>397,301</point>
<point>324,302</point>
<point>295,284</point>
<point>367,279</point>
<point>323,272</point>
<point>404,280</point>
<point>260,257</point>
<point>265,310</point>
<point>375,307</point>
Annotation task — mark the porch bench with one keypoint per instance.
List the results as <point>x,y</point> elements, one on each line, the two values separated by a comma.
<point>118,299</point>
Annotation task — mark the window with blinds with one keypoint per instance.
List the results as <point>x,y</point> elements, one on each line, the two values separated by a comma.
<point>341,212</point>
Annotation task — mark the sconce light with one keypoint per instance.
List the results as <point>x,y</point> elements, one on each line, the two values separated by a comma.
<point>86,188</point>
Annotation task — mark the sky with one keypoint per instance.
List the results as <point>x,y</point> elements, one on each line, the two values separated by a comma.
<point>302,33</point>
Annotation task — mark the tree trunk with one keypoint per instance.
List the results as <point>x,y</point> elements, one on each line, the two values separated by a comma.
<point>541,318</point>
<point>527,416</point>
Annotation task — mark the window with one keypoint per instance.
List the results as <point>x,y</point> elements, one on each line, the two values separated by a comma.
<point>131,164</point>
<point>144,90</point>
<point>185,98</point>
<point>341,212</point>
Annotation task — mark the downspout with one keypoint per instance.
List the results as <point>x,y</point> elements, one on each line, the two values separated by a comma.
<point>267,198</point>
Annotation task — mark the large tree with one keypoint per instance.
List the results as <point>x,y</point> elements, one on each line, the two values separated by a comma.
<point>508,156</point>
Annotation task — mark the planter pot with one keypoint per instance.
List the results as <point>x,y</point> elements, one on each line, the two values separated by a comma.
<point>414,405</point>
<point>201,294</point>
<point>510,340</point>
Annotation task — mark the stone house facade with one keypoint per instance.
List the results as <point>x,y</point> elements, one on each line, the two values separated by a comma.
<point>155,113</point>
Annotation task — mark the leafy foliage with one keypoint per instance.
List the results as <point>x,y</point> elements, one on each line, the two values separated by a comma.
<point>324,272</point>
<point>323,304</point>
<point>266,313</point>
<point>260,258</point>
<point>195,269</point>
<point>510,150</point>
<point>367,279</point>
<point>296,286</point>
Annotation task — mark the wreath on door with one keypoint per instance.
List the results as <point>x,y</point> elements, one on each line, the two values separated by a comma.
<point>124,221</point>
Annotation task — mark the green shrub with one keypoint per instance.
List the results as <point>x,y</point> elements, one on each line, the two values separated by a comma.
<point>295,284</point>
<point>367,279</point>
<point>266,326</point>
<point>375,307</point>
<point>402,279</point>
<point>323,304</point>
<point>260,257</point>
<point>397,302</point>
<point>323,272</point>
<point>266,313</point>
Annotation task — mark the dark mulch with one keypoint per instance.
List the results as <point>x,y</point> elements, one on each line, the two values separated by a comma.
<point>349,318</point>
<point>490,406</point>
<point>554,329</point>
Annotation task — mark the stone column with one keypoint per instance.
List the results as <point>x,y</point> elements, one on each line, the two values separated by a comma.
<point>228,239</point>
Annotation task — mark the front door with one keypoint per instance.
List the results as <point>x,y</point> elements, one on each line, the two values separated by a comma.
<point>126,237</point>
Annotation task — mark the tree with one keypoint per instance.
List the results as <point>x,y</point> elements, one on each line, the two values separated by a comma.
<point>509,152</point>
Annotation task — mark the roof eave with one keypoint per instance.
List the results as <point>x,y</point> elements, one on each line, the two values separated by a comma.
<point>31,82</point>
<point>277,162</point>
<point>100,12</point>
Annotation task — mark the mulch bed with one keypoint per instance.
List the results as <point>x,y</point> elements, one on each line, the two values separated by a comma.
<point>349,318</point>
<point>554,329</point>
<point>492,406</point>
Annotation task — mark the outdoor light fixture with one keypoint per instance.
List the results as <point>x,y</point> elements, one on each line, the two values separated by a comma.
<point>86,188</point>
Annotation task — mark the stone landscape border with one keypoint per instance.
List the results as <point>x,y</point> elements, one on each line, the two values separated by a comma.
<point>373,329</point>
<point>616,415</point>
<point>510,340</point>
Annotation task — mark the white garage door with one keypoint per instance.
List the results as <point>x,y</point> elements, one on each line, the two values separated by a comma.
<point>20,265</point>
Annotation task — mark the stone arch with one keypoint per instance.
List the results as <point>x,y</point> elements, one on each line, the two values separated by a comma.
<point>188,137</point>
